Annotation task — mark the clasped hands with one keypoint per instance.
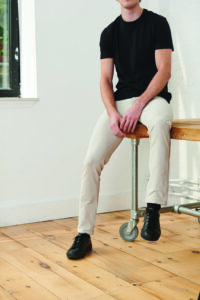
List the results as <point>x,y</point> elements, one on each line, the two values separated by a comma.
<point>121,126</point>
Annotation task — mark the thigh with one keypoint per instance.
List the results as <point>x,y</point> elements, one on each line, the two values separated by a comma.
<point>124,105</point>
<point>102,141</point>
<point>157,109</point>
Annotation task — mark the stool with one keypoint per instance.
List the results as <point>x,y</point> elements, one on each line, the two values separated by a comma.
<point>182,129</point>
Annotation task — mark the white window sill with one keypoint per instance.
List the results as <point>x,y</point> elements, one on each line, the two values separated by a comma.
<point>16,102</point>
<point>17,99</point>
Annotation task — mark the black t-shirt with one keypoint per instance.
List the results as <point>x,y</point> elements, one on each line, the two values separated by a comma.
<point>132,45</point>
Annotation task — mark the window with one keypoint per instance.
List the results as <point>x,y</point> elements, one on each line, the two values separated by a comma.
<point>9,49</point>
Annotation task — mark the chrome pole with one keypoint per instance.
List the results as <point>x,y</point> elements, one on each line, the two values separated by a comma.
<point>135,143</point>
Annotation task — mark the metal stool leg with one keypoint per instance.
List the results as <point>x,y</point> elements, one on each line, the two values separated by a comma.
<point>129,231</point>
<point>134,143</point>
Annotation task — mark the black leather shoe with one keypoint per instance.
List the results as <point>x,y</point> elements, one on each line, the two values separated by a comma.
<point>151,229</point>
<point>81,245</point>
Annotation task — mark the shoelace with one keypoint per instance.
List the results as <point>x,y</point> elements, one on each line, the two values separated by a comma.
<point>149,221</point>
<point>77,241</point>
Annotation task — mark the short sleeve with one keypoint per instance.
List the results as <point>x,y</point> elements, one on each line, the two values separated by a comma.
<point>106,45</point>
<point>163,36</point>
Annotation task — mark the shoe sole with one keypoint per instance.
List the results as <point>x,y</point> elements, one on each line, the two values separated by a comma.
<point>82,256</point>
<point>150,240</point>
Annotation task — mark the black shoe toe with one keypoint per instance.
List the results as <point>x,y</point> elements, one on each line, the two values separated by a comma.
<point>150,235</point>
<point>81,246</point>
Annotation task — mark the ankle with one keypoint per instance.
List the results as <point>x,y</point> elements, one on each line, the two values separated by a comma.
<point>83,233</point>
<point>154,206</point>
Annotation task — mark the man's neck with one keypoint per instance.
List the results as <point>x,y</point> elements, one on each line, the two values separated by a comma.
<point>131,14</point>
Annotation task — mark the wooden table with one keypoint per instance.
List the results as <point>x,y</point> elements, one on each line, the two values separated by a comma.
<point>182,129</point>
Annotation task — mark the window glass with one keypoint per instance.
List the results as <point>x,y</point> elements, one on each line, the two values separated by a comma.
<point>4,44</point>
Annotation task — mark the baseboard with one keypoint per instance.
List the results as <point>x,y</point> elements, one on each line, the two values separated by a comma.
<point>58,209</point>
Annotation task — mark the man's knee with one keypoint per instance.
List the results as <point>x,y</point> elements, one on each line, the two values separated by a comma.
<point>160,124</point>
<point>93,163</point>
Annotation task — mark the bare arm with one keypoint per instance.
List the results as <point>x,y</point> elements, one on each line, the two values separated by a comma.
<point>107,94</point>
<point>163,63</point>
<point>106,85</point>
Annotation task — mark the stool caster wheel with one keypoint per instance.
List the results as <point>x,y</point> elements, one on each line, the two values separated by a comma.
<point>128,237</point>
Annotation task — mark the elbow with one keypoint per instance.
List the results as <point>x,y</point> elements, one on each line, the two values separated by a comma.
<point>169,75</point>
<point>106,81</point>
<point>165,74</point>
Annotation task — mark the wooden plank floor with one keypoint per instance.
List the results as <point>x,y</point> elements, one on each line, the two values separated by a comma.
<point>34,264</point>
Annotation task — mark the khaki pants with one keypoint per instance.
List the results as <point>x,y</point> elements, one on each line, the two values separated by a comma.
<point>157,115</point>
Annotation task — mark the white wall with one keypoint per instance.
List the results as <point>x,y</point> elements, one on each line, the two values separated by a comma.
<point>185,81</point>
<point>43,144</point>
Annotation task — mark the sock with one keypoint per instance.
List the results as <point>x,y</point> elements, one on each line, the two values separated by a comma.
<point>155,206</point>
<point>84,233</point>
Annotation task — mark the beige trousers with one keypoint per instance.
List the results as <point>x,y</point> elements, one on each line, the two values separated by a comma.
<point>157,115</point>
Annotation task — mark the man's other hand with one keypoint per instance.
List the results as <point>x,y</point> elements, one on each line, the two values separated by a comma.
<point>130,119</point>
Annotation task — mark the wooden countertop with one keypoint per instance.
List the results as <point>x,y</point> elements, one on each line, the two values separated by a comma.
<point>182,129</point>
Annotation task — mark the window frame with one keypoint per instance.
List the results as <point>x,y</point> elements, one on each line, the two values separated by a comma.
<point>14,52</point>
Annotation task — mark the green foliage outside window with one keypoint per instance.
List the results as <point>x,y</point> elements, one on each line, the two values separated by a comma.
<point>4,44</point>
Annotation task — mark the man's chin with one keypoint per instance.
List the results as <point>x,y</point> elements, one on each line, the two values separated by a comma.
<point>128,4</point>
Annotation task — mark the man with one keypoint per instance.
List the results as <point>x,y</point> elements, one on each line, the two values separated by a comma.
<point>139,43</point>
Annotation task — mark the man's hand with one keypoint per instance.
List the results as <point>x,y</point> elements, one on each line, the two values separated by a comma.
<point>115,120</point>
<point>130,119</point>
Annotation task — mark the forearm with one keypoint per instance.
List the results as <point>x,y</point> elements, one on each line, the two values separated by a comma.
<point>154,88</point>
<point>107,95</point>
